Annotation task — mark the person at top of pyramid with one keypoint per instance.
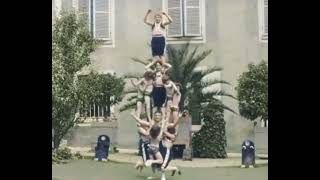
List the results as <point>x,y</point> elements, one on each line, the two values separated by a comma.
<point>158,41</point>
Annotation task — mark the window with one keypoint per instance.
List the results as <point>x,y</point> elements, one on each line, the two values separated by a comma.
<point>188,20</point>
<point>100,15</point>
<point>263,20</point>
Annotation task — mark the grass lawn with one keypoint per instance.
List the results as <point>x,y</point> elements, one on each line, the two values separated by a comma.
<point>91,170</point>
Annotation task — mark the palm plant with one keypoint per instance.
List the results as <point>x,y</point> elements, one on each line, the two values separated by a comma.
<point>132,92</point>
<point>184,63</point>
<point>183,71</point>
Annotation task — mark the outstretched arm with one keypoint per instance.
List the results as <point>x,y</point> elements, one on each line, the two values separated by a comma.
<point>139,120</point>
<point>146,18</point>
<point>133,83</point>
<point>137,83</point>
<point>175,88</point>
<point>169,18</point>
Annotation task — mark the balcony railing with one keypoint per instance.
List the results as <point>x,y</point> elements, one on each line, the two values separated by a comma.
<point>96,113</point>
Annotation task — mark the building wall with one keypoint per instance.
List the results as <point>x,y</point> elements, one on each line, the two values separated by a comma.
<point>231,31</point>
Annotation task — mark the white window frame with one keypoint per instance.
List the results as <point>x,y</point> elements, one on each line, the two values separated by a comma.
<point>261,22</point>
<point>110,42</point>
<point>186,39</point>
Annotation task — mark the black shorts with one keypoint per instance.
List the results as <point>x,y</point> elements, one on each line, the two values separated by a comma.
<point>157,45</point>
<point>144,148</point>
<point>159,96</point>
<point>166,154</point>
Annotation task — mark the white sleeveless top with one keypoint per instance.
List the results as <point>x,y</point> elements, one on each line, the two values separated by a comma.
<point>158,81</point>
<point>158,30</point>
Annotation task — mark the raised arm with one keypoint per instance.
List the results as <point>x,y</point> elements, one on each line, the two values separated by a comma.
<point>169,18</point>
<point>163,126</point>
<point>143,131</point>
<point>139,120</point>
<point>174,124</point>
<point>167,65</point>
<point>150,65</point>
<point>146,18</point>
<point>171,136</point>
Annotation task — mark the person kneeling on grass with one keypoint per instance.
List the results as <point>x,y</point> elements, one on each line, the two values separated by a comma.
<point>151,131</point>
<point>154,152</point>
<point>165,146</point>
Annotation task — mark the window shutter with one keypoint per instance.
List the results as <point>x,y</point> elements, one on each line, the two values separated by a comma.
<point>265,20</point>
<point>84,10</point>
<point>53,11</point>
<point>192,21</point>
<point>58,6</point>
<point>175,29</point>
<point>75,4</point>
<point>102,19</point>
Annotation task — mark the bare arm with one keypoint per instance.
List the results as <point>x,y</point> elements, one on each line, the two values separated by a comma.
<point>175,88</point>
<point>143,131</point>
<point>167,65</point>
<point>171,136</point>
<point>163,126</point>
<point>146,18</point>
<point>174,124</point>
<point>150,64</point>
<point>139,120</point>
<point>135,84</point>
<point>169,18</point>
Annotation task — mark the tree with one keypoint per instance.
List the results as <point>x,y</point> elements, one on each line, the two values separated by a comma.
<point>71,47</point>
<point>210,141</point>
<point>252,92</point>
<point>104,90</point>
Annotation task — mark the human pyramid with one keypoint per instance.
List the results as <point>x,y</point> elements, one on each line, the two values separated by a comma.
<point>159,96</point>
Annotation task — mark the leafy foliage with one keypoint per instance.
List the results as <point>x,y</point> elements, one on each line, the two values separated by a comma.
<point>99,88</point>
<point>253,92</point>
<point>71,47</point>
<point>61,155</point>
<point>210,141</point>
<point>64,155</point>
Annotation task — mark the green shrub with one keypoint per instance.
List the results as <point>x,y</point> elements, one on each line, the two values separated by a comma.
<point>61,155</point>
<point>210,141</point>
<point>78,155</point>
<point>72,45</point>
<point>252,92</point>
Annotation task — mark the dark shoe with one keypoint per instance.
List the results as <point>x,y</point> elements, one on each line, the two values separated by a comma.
<point>173,172</point>
<point>153,168</point>
<point>141,167</point>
